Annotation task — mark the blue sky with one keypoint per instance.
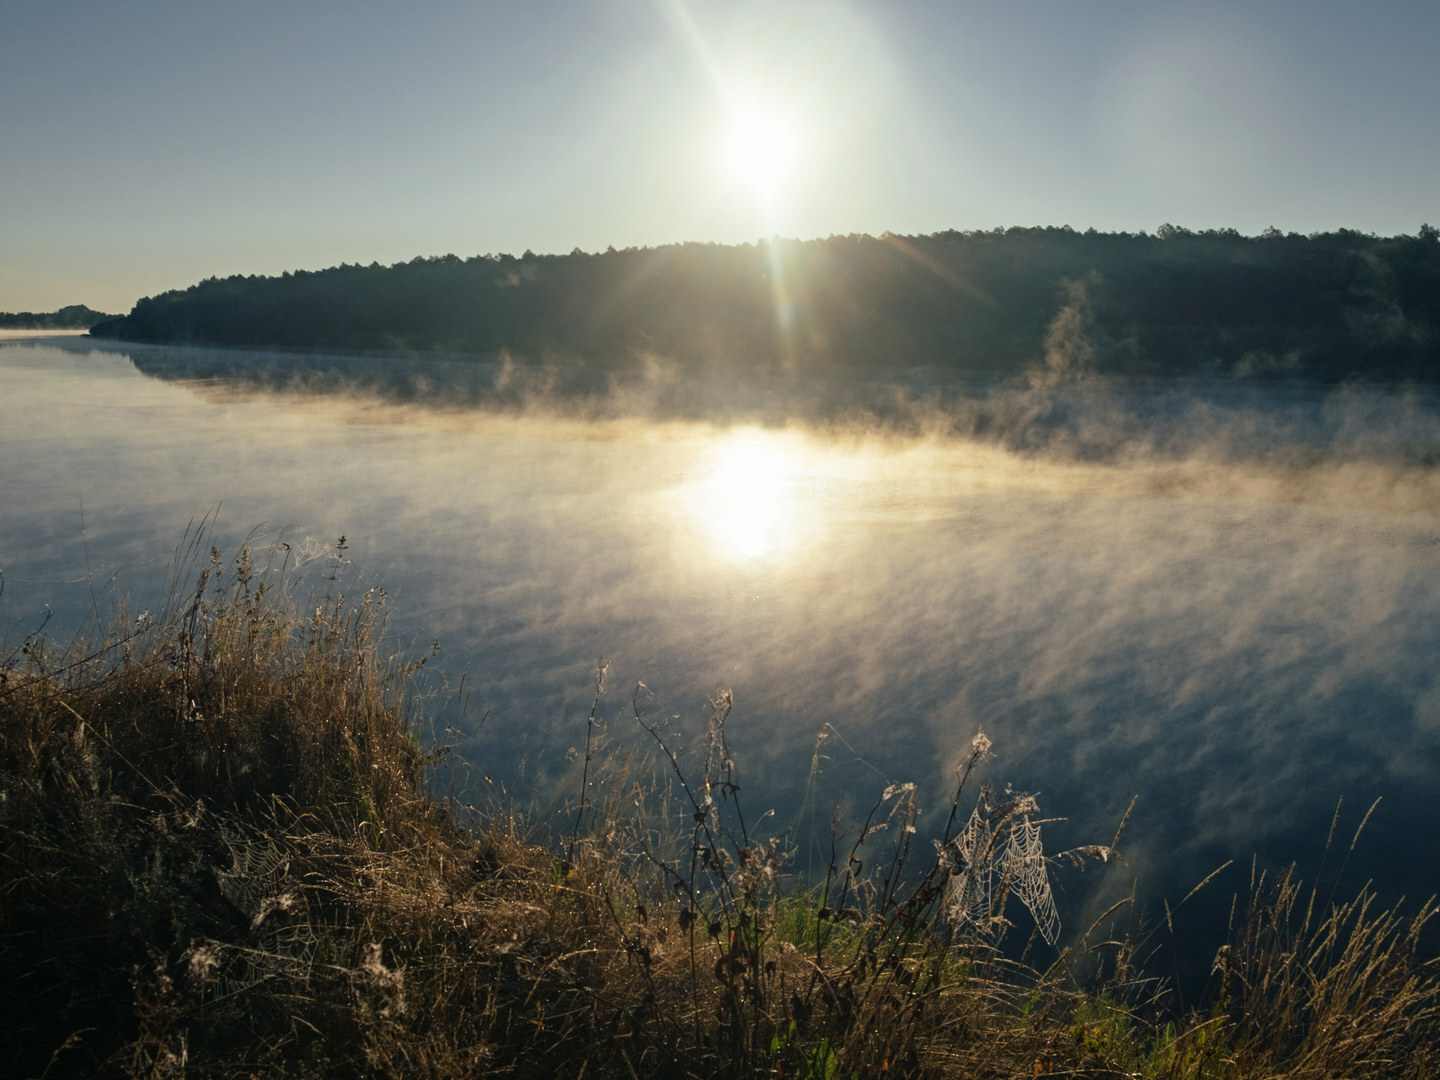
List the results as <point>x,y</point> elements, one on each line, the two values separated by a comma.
<point>147,145</point>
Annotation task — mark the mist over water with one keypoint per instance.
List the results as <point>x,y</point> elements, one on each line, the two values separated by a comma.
<point>1221,597</point>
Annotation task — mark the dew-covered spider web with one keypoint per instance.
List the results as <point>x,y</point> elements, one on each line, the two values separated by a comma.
<point>260,886</point>
<point>977,856</point>
<point>1024,868</point>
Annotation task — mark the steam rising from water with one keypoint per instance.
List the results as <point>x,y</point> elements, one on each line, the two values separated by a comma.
<point>1223,597</point>
<point>1061,430</point>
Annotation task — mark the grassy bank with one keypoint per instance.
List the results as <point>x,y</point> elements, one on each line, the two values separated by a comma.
<point>221,858</point>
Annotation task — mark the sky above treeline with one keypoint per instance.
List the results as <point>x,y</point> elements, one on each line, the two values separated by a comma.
<point>150,144</point>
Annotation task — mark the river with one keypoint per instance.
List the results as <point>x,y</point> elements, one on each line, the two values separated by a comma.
<point>1223,599</point>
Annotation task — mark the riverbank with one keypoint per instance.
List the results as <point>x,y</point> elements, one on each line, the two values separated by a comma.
<point>223,858</point>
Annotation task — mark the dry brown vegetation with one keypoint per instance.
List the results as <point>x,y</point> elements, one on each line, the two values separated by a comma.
<point>221,859</point>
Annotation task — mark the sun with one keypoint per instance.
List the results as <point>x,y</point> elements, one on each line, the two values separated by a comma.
<point>761,149</point>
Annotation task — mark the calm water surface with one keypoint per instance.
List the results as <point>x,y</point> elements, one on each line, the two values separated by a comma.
<point>1231,608</point>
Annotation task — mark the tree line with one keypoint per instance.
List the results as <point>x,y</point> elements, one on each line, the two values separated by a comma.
<point>1330,306</point>
<point>74,317</point>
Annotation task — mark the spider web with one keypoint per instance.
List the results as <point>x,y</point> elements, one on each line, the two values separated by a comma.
<point>261,888</point>
<point>1024,861</point>
<point>969,897</point>
<point>974,862</point>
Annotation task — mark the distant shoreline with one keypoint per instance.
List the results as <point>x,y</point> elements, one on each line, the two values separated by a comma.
<point>77,317</point>
<point>11,333</point>
<point>1328,308</point>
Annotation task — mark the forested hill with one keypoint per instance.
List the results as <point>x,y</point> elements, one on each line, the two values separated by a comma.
<point>1327,306</point>
<point>74,317</point>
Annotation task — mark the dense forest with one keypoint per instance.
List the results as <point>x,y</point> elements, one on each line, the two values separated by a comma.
<point>74,317</point>
<point>1327,306</point>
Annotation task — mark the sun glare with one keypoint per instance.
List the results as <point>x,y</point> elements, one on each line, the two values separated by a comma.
<point>744,502</point>
<point>760,150</point>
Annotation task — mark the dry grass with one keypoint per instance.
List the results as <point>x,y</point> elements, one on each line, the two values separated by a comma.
<point>220,859</point>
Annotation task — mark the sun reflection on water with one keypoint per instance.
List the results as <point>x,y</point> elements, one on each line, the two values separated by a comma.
<point>746,501</point>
